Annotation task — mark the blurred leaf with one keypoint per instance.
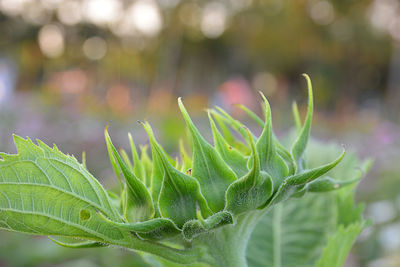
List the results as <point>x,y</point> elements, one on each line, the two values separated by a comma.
<point>292,233</point>
<point>339,244</point>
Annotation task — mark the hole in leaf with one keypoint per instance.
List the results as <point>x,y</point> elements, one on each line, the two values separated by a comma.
<point>84,215</point>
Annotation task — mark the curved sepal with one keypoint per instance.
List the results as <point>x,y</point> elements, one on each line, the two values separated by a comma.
<point>296,183</point>
<point>235,124</point>
<point>154,229</point>
<point>300,144</point>
<point>208,168</point>
<point>113,162</point>
<point>270,161</point>
<point>312,174</point>
<point>226,132</point>
<point>296,116</point>
<point>180,193</point>
<point>251,114</point>
<point>186,160</point>
<point>138,195</point>
<point>327,183</point>
<point>193,228</point>
<point>138,168</point>
<point>156,180</point>
<point>251,191</point>
<point>84,244</point>
<point>234,158</point>
<point>147,167</point>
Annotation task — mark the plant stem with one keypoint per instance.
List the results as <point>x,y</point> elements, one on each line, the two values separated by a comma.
<point>182,256</point>
<point>227,245</point>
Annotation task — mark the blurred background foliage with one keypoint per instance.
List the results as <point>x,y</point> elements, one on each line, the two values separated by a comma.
<point>70,67</point>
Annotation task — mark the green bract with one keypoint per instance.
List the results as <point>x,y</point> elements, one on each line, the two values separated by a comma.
<point>201,208</point>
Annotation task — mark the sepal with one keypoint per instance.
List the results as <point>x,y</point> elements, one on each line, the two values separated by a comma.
<point>300,144</point>
<point>233,157</point>
<point>252,190</point>
<point>296,183</point>
<point>138,195</point>
<point>180,193</point>
<point>327,183</point>
<point>193,228</point>
<point>208,168</point>
<point>154,229</point>
<point>270,161</point>
<point>83,244</point>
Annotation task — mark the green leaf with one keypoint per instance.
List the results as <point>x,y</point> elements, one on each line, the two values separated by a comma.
<point>339,244</point>
<point>180,193</point>
<point>208,168</point>
<point>193,228</point>
<point>348,211</point>
<point>138,196</point>
<point>252,190</point>
<point>234,158</point>
<point>43,191</point>
<point>292,233</point>
<point>300,144</point>
<point>270,161</point>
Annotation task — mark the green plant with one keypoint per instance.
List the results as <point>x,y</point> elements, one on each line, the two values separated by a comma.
<point>200,209</point>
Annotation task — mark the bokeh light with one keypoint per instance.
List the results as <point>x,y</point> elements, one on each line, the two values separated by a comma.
<point>145,17</point>
<point>213,21</point>
<point>102,12</point>
<point>70,12</point>
<point>322,12</point>
<point>51,40</point>
<point>13,7</point>
<point>95,48</point>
